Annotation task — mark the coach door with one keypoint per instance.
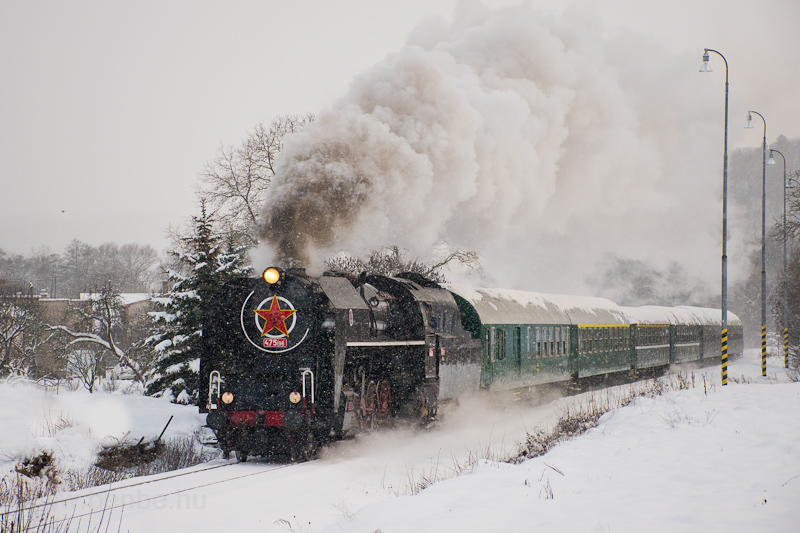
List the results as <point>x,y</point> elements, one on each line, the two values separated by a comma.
<point>505,355</point>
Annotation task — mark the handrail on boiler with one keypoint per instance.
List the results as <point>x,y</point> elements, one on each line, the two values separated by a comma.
<point>308,372</point>
<point>214,373</point>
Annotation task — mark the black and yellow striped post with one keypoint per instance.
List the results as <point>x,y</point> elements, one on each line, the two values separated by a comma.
<point>725,356</point>
<point>763,350</point>
<point>785,347</point>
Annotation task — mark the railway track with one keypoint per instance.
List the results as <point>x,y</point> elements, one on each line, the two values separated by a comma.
<point>109,490</point>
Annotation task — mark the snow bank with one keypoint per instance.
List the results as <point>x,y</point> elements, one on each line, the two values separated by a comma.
<point>723,460</point>
<point>73,425</point>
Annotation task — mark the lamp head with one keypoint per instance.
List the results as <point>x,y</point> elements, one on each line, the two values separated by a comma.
<point>705,67</point>
<point>749,124</point>
<point>771,160</point>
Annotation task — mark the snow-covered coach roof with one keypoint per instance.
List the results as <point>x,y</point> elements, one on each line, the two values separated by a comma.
<point>709,317</point>
<point>508,306</point>
<point>649,314</point>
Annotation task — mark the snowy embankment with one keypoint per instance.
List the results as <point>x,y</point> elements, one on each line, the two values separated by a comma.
<point>704,459</point>
<point>73,426</point>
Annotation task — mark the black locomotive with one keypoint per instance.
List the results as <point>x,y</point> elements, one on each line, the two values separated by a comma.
<point>292,361</point>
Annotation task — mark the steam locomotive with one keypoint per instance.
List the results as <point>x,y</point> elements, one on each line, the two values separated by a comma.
<point>292,361</point>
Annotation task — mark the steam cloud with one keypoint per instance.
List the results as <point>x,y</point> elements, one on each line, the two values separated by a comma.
<point>529,137</point>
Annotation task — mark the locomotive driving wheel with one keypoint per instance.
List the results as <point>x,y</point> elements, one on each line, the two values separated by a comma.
<point>384,400</point>
<point>303,448</point>
<point>371,406</point>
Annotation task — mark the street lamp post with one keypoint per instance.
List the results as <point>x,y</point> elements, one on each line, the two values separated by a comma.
<point>705,68</point>
<point>785,281</point>
<point>763,240</point>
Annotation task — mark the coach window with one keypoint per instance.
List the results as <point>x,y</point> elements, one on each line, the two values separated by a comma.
<point>492,335</point>
<point>500,344</point>
<point>528,349</point>
<point>538,342</point>
<point>558,341</point>
<point>545,342</point>
<point>564,338</point>
<point>545,339</point>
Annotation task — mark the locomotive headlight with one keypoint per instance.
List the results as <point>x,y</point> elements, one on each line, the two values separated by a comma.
<point>272,275</point>
<point>227,397</point>
<point>294,397</point>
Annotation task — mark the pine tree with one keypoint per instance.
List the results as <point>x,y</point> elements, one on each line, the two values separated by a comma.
<point>204,267</point>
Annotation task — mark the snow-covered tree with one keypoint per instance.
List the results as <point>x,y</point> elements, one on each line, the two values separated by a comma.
<point>97,330</point>
<point>202,267</point>
<point>20,326</point>
<point>390,260</point>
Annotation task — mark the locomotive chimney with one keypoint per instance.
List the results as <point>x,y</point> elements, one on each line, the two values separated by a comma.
<point>291,263</point>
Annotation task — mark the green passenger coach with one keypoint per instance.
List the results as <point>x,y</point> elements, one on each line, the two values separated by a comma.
<point>528,339</point>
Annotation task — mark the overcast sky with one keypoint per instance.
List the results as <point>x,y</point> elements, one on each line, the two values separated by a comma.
<point>109,110</point>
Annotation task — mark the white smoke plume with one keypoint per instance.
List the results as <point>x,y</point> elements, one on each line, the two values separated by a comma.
<point>529,137</point>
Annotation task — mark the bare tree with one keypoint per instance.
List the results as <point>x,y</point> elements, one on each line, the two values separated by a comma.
<point>139,263</point>
<point>390,260</point>
<point>78,265</point>
<point>792,209</point>
<point>100,324</point>
<point>634,282</point>
<point>13,273</point>
<point>44,265</point>
<point>234,182</point>
<point>87,364</point>
<point>793,301</point>
<point>18,318</point>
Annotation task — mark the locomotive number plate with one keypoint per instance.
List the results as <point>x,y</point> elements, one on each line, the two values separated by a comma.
<point>274,343</point>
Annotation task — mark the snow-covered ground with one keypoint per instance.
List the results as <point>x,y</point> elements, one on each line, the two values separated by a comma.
<point>704,459</point>
<point>73,425</point>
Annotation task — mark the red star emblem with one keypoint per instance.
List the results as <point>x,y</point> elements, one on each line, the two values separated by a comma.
<point>275,317</point>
